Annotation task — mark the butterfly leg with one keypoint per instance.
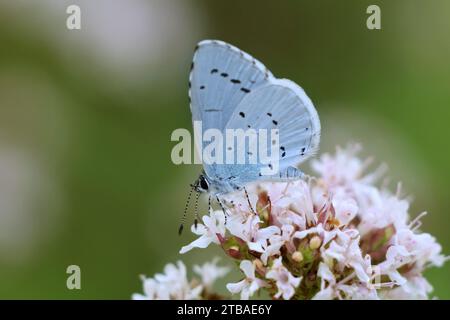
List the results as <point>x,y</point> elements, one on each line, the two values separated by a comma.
<point>209,204</point>
<point>225,213</point>
<point>248,200</point>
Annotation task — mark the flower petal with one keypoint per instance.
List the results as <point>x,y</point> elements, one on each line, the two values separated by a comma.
<point>201,242</point>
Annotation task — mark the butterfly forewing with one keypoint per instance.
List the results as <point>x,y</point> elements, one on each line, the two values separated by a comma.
<point>220,78</point>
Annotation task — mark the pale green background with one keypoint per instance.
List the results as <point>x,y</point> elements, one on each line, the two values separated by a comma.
<point>86,116</point>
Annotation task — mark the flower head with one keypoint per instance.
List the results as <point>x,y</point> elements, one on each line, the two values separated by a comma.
<point>334,236</point>
<point>172,284</point>
<point>209,272</point>
<point>250,284</point>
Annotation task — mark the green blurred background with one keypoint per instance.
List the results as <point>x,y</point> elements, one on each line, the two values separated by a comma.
<point>86,118</point>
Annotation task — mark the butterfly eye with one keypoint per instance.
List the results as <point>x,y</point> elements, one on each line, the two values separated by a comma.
<point>203,183</point>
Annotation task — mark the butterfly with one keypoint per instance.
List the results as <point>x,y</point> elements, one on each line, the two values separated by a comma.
<point>229,89</point>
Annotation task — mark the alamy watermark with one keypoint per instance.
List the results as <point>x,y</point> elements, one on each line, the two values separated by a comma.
<point>74,279</point>
<point>374,20</point>
<point>73,21</point>
<point>231,146</point>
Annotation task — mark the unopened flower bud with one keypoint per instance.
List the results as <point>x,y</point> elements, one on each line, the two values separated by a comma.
<point>297,256</point>
<point>258,264</point>
<point>315,242</point>
<point>235,248</point>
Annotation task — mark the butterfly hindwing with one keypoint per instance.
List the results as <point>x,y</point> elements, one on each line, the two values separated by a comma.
<point>281,104</point>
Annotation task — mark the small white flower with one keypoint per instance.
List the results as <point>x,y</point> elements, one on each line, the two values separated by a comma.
<point>250,284</point>
<point>313,230</point>
<point>340,169</point>
<point>210,272</point>
<point>247,229</point>
<point>396,257</point>
<point>414,250</point>
<point>331,289</point>
<point>416,288</point>
<point>384,210</point>
<point>327,283</point>
<point>276,242</point>
<point>170,285</point>
<point>290,203</point>
<point>260,238</point>
<point>422,246</point>
<point>150,290</point>
<point>345,169</point>
<point>214,224</point>
<point>347,253</point>
<point>286,282</point>
<point>345,208</point>
<point>357,292</point>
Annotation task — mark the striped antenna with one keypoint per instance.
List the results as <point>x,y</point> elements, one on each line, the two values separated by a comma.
<point>197,195</point>
<point>183,219</point>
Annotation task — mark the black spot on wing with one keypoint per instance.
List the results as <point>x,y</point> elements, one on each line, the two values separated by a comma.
<point>269,114</point>
<point>242,114</point>
<point>202,87</point>
<point>224,74</point>
<point>235,81</point>
<point>245,90</point>
<point>274,122</point>
<point>214,71</point>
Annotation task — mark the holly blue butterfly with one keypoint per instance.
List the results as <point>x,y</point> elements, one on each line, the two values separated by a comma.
<point>229,89</point>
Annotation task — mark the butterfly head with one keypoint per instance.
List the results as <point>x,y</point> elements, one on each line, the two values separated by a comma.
<point>201,184</point>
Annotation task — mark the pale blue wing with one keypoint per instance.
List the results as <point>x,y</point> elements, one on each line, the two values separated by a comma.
<point>281,104</point>
<point>221,76</point>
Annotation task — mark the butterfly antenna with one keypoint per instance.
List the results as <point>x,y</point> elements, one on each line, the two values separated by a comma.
<point>248,200</point>
<point>209,204</point>
<point>197,195</point>
<point>183,219</point>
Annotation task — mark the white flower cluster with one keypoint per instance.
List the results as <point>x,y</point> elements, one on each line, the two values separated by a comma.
<point>173,284</point>
<point>337,236</point>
